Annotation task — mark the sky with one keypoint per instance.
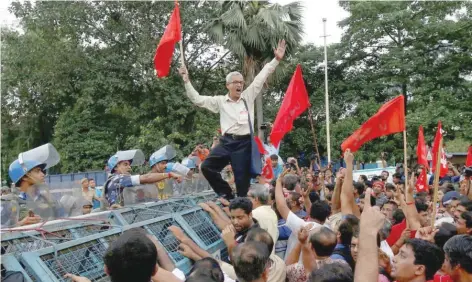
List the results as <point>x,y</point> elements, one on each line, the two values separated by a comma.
<point>314,12</point>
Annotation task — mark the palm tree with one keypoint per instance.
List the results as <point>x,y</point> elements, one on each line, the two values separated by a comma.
<point>251,30</point>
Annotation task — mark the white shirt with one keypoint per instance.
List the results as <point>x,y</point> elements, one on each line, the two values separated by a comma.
<point>267,220</point>
<point>295,223</point>
<point>233,114</point>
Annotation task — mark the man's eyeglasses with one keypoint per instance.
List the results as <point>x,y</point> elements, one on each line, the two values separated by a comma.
<point>238,82</point>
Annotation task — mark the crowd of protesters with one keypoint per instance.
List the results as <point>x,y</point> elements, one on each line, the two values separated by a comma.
<point>308,225</point>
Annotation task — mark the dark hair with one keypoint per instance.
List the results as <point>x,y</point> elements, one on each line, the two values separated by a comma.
<point>332,272</point>
<point>427,254</point>
<point>314,197</point>
<point>356,231</point>
<point>421,206</point>
<point>274,157</point>
<point>388,173</point>
<point>131,257</point>
<point>294,196</point>
<point>390,187</point>
<point>364,177</point>
<point>258,234</point>
<point>241,203</point>
<point>466,203</point>
<point>330,187</point>
<point>446,232</point>
<point>346,228</point>
<point>359,187</point>
<point>467,216</point>
<point>372,200</point>
<point>459,252</point>
<point>323,241</point>
<point>320,210</point>
<point>272,194</point>
<point>250,260</point>
<point>397,175</point>
<point>206,269</point>
<point>290,181</point>
<point>91,179</point>
<point>398,216</point>
<point>393,203</point>
<point>421,195</point>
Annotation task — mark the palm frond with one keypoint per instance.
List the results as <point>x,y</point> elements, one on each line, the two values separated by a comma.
<point>216,32</point>
<point>253,37</point>
<point>235,44</point>
<point>234,17</point>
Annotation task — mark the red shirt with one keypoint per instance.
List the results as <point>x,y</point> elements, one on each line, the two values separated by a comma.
<point>396,233</point>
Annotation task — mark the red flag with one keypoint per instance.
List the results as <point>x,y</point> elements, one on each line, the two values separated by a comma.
<point>388,120</point>
<point>166,46</point>
<point>443,167</point>
<point>267,171</point>
<point>421,149</point>
<point>421,185</point>
<point>260,146</point>
<point>294,104</point>
<point>468,162</point>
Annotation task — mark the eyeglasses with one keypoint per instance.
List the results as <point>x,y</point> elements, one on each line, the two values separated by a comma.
<point>238,82</point>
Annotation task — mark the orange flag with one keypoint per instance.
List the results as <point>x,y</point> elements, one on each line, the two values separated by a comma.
<point>421,149</point>
<point>443,167</point>
<point>165,49</point>
<point>388,120</point>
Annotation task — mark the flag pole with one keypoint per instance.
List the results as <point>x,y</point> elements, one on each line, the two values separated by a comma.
<point>436,181</point>
<point>328,141</point>
<point>182,61</point>
<point>310,117</point>
<point>405,162</point>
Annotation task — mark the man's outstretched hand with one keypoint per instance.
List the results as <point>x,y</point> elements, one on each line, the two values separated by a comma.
<point>279,52</point>
<point>184,73</point>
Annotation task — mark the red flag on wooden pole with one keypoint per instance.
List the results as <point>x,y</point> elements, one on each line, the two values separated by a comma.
<point>443,161</point>
<point>295,102</point>
<point>388,120</point>
<point>421,149</point>
<point>165,49</point>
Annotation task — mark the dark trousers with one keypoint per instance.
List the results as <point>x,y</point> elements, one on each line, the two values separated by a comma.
<point>234,151</point>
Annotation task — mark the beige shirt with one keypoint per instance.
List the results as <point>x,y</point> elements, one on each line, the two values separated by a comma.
<point>267,220</point>
<point>88,195</point>
<point>233,115</point>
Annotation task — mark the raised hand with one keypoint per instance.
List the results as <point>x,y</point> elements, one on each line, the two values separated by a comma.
<point>371,218</point>
<point>348,157</point>
<point>279,52</point>
<point>184,73</point>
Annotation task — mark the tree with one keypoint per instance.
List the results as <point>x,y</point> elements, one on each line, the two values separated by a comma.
<point>251,30</point>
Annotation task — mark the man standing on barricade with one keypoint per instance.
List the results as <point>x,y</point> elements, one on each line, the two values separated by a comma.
<point>236,115</point>
<point>120,178</point>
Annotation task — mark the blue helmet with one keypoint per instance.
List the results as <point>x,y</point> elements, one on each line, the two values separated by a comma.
<point>190,163</point>
<point>165,153</point>
<point>17,170</point>
<point>155,159</point>
<point>112,162</point>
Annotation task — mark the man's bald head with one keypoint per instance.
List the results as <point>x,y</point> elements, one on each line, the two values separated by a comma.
<point>323,241</point>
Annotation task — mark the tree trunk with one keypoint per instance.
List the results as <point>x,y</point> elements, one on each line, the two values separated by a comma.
<point>250,68</point>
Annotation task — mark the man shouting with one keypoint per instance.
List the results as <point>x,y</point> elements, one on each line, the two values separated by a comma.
<point>236,110</point>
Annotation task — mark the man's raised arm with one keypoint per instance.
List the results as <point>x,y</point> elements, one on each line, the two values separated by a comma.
<point>256,86</point>
<point>207,102</point>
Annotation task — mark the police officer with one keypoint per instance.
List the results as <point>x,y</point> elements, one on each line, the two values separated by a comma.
<point>28,175</point>
<point>158,162</point>
<point>120,178</point>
